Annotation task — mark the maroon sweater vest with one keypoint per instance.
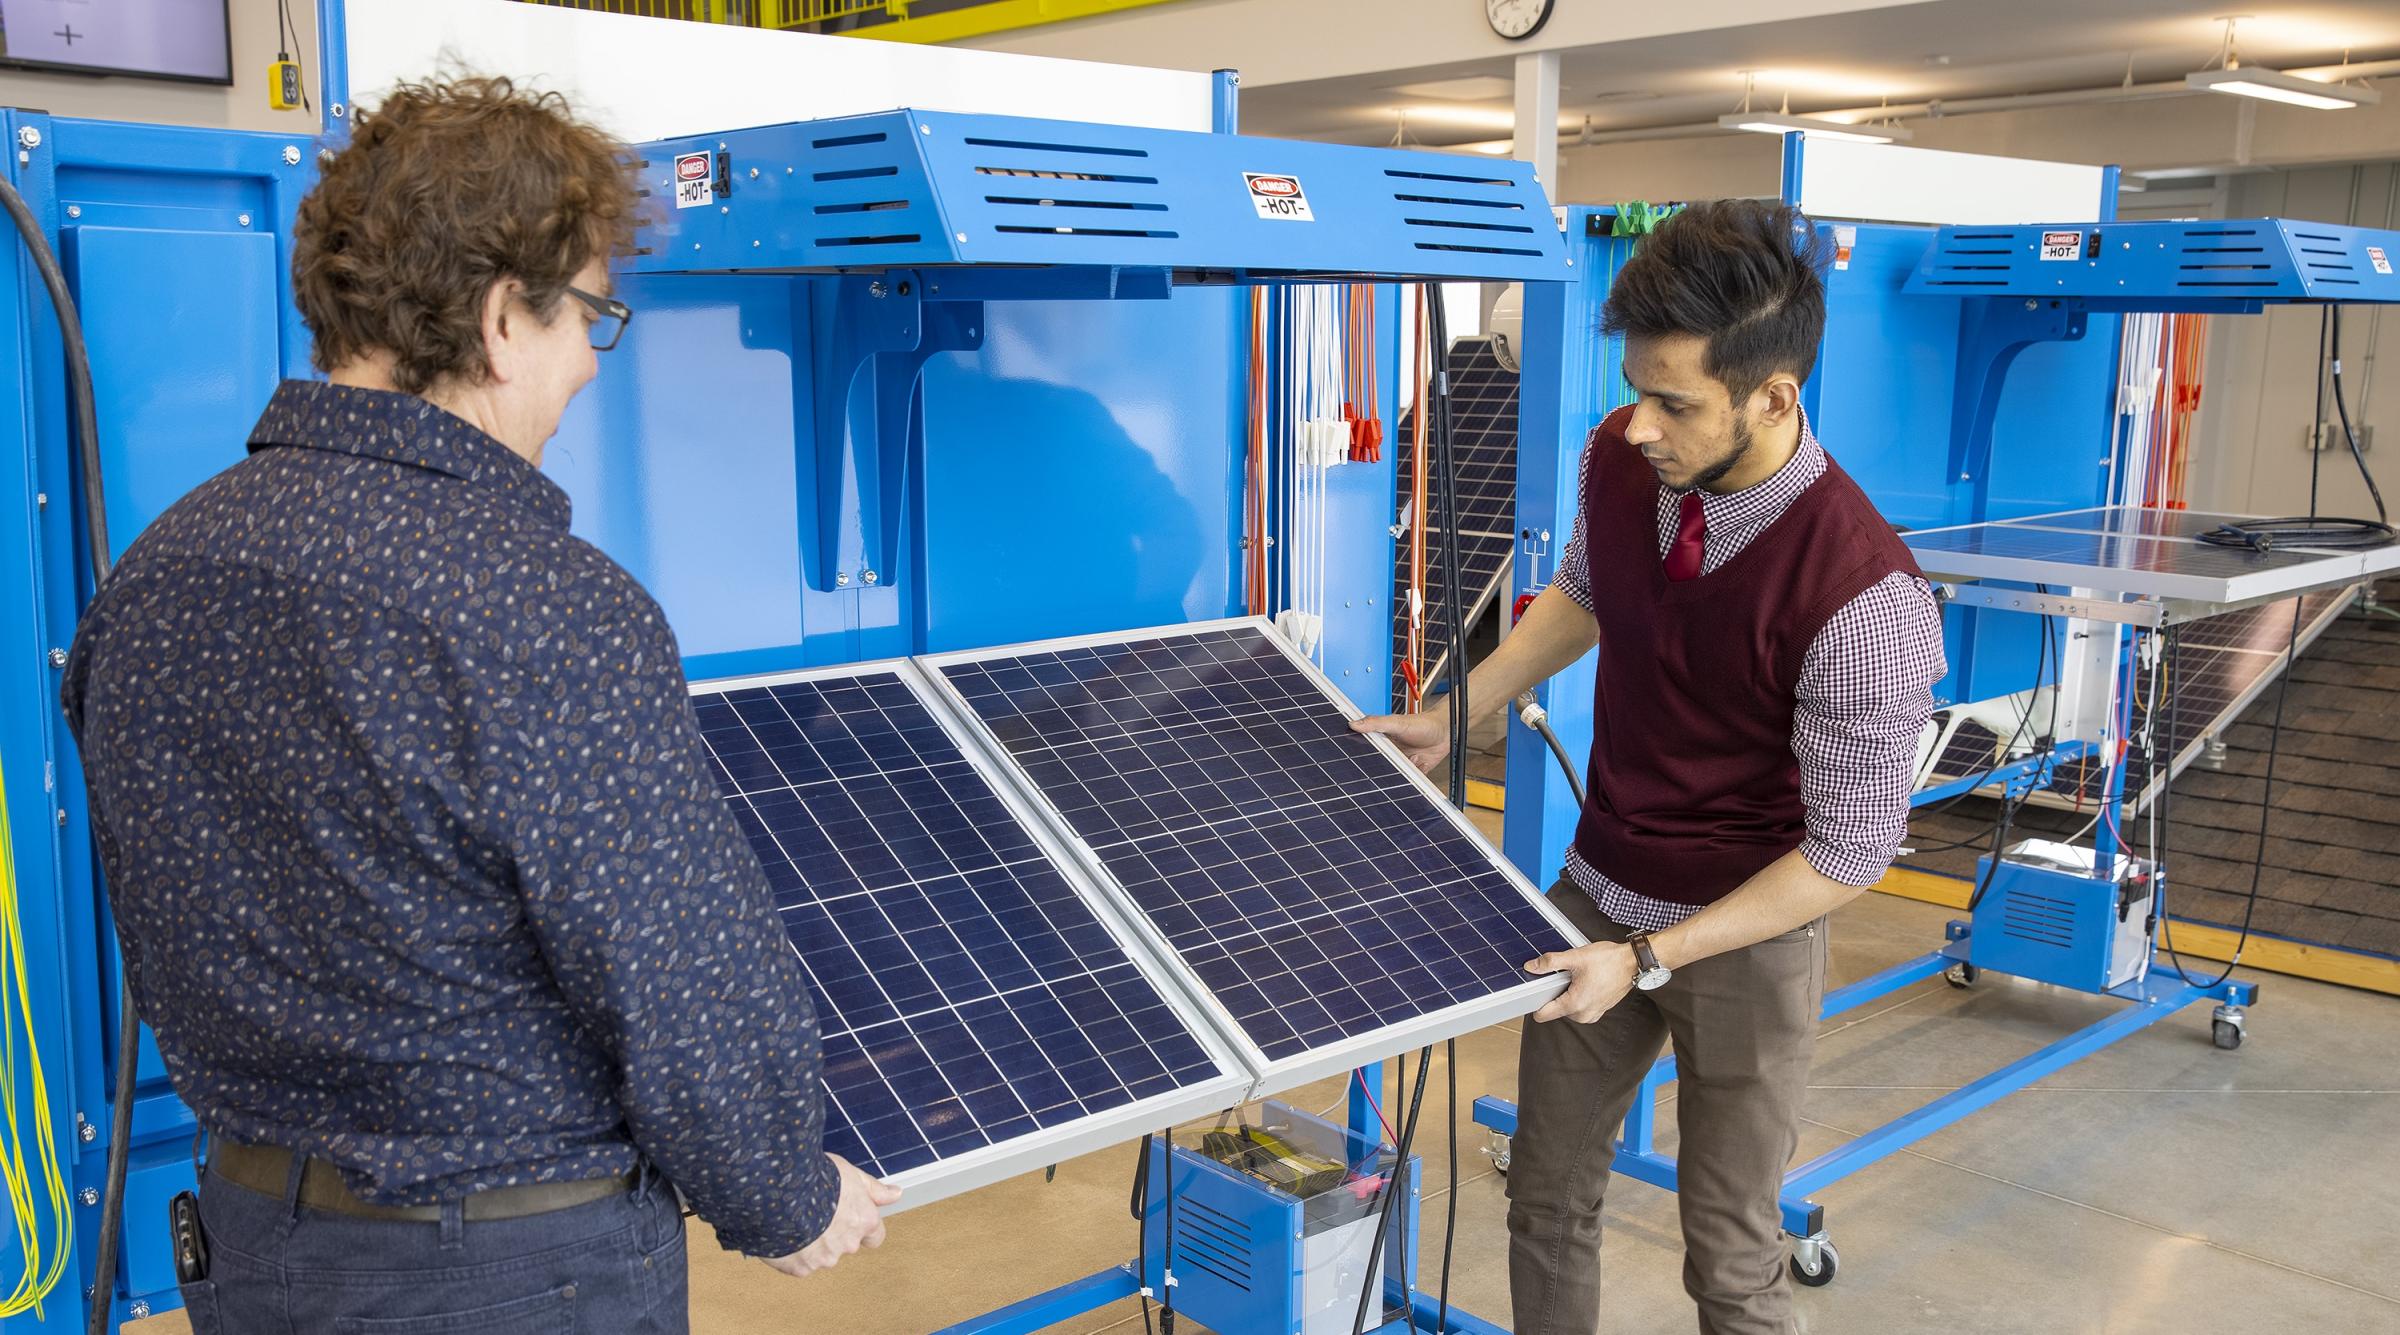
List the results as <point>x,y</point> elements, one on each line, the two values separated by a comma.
<point>1693,787</point>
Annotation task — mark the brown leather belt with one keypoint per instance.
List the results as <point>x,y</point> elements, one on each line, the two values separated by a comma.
<point>267,1169</point>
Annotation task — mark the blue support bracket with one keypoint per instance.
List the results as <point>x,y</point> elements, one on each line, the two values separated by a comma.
<point>2015,780</point>
<point>1044,1310</point>
<point>1990,335</point>
<point>870,337</point>
<point>2163,992</point>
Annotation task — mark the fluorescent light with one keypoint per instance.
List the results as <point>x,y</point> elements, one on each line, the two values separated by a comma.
<point>1466,117</point>
<point>2277,86</point>
<point>1763,122</point>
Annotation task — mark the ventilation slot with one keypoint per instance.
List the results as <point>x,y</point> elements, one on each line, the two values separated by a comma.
<point>899,240</point>
<point>1470,226</point>
<point>876,206</point>
<point>1095,149</point>
<point>1476,250</point>
<point>2317,236</point>
<point>1213,1241</point>
<point>1033,174</point>
<point>2039,919</point>
<point>856,174</point>
<point>1028,202</point>
<point>2224,231</point>
<point>848,141</point>
<point>1085,231</point>
<point>1981,250</point>
<point>2224,250</point>
<point>1497,184</point>
<point>1461,203</point>
<point>1985,236</point>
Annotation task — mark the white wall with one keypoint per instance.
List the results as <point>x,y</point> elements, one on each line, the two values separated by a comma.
<point>1294,41</point>
<point>240,107</point>
<point>2261,391</point>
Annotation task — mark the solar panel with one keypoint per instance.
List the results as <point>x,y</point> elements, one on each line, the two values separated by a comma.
<point>979,1016</point>
<point>2132,550</point>
<point>1483,417</point>
<point>1311,880</point>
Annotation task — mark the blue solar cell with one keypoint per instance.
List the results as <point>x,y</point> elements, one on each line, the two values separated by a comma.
<point>966,993</point>
<point>1317,890</point>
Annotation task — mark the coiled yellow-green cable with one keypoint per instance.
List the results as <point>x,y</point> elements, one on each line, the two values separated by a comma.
<point>44,1265</point>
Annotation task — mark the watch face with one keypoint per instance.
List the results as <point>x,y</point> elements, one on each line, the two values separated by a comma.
<point>1518,19</point>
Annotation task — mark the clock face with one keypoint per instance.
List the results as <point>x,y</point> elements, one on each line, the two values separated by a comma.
<point>1517,20</point>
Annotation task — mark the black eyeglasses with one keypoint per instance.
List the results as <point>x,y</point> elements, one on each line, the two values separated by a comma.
<point>609,317</point>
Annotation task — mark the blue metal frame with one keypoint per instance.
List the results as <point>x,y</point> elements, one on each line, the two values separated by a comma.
<point>2162,993</point>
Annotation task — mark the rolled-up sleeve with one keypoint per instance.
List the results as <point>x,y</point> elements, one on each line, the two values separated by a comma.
<point>1865,692</point>
<point>657,922</point>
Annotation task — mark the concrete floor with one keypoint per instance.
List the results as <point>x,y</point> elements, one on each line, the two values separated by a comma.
<point>2157,1186</point>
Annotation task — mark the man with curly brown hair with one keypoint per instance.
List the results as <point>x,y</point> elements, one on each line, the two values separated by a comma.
<point>423,880</point>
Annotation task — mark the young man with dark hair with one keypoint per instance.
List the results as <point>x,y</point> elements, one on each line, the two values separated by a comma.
<point>423,882</point>
<point>1767,657</point>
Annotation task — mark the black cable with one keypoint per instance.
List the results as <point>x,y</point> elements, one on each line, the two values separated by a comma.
<point>285,30</point>
<point>1141,1213</point>
<point>2341,535</point>
<point>2010,806</point>
<point>2341,409</point>
<point>1166,1253</point>
<point>1450,1223</point>
<point>1445,477</point>
<point>1391,1192</point>
<point>1538,719</point>
<point>84,416</point>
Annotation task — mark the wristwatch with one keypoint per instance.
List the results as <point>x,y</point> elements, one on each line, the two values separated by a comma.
<point>1649,975</point>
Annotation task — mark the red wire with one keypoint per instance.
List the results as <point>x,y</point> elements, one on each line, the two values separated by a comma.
<point>1393,1137</point>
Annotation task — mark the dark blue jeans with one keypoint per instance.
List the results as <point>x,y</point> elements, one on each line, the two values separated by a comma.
<point>612,1267</point>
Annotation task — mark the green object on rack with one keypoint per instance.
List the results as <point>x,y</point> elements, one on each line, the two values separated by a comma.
<point>1640,217</point>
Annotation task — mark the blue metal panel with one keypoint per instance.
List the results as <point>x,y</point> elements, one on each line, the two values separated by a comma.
<point>1573,377</point>
<point>184,355</point>
<point>1070,487</point>
<point>932,188</point>
<point>2233,265</point>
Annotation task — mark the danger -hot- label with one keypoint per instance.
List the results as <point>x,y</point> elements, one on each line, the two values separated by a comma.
<point>1278,197</point>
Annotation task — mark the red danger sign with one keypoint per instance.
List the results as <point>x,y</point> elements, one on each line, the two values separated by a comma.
<point>1278,198</point>
<point>695,180</point>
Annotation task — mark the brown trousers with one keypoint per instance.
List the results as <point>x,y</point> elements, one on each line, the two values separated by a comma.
<point>1744,1024</point>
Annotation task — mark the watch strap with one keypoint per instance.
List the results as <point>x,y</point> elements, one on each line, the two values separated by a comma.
<point>1643,955</point>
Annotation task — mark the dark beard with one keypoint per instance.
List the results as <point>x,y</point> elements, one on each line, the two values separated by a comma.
<point>1742,441</point>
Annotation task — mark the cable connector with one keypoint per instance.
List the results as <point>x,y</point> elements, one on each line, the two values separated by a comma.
<point>1532,712</point>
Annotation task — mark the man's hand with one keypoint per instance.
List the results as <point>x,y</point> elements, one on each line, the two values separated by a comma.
<point>857,1223</point>
<point>1423,738</point>
<point>1598,976</point>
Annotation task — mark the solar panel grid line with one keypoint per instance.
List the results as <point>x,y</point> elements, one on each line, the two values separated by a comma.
<point>983,1010</point>
<point>1280,895</point>
<point>2129,550</point>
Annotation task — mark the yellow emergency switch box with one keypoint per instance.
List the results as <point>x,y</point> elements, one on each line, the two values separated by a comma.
<point>283,85</point>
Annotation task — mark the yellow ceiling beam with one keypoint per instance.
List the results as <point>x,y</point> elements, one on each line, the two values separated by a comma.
<point>985,19</point>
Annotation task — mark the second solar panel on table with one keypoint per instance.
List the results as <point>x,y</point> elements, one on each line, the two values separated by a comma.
<point>966,995</point>
<point>1315,889</point>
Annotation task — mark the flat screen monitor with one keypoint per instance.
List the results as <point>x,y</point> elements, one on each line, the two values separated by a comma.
<point>155,39</point>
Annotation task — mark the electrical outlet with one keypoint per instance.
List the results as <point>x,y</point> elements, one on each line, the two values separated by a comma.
<point>2328,436</point>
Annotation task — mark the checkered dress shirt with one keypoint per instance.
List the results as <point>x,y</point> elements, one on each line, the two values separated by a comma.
<point>1865,691</point>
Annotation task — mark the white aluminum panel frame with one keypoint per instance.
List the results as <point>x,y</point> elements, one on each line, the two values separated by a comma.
<point>1237,1076</point>
<point>1357,1050</point>
<point>2330,569</point>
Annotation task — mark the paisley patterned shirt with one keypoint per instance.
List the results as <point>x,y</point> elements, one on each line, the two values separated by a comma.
<point>412,842</point>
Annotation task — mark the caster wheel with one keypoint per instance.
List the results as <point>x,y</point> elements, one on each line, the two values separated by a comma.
<point>1497,1152</point>
<point>1500,1165</point>
<point>2225,1034</point>
<point>1961,975</point>
<point>1820,1273</point>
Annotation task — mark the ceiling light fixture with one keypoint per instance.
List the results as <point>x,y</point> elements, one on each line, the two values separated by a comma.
<point>2275,85</point>
<point>1784,122</point>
